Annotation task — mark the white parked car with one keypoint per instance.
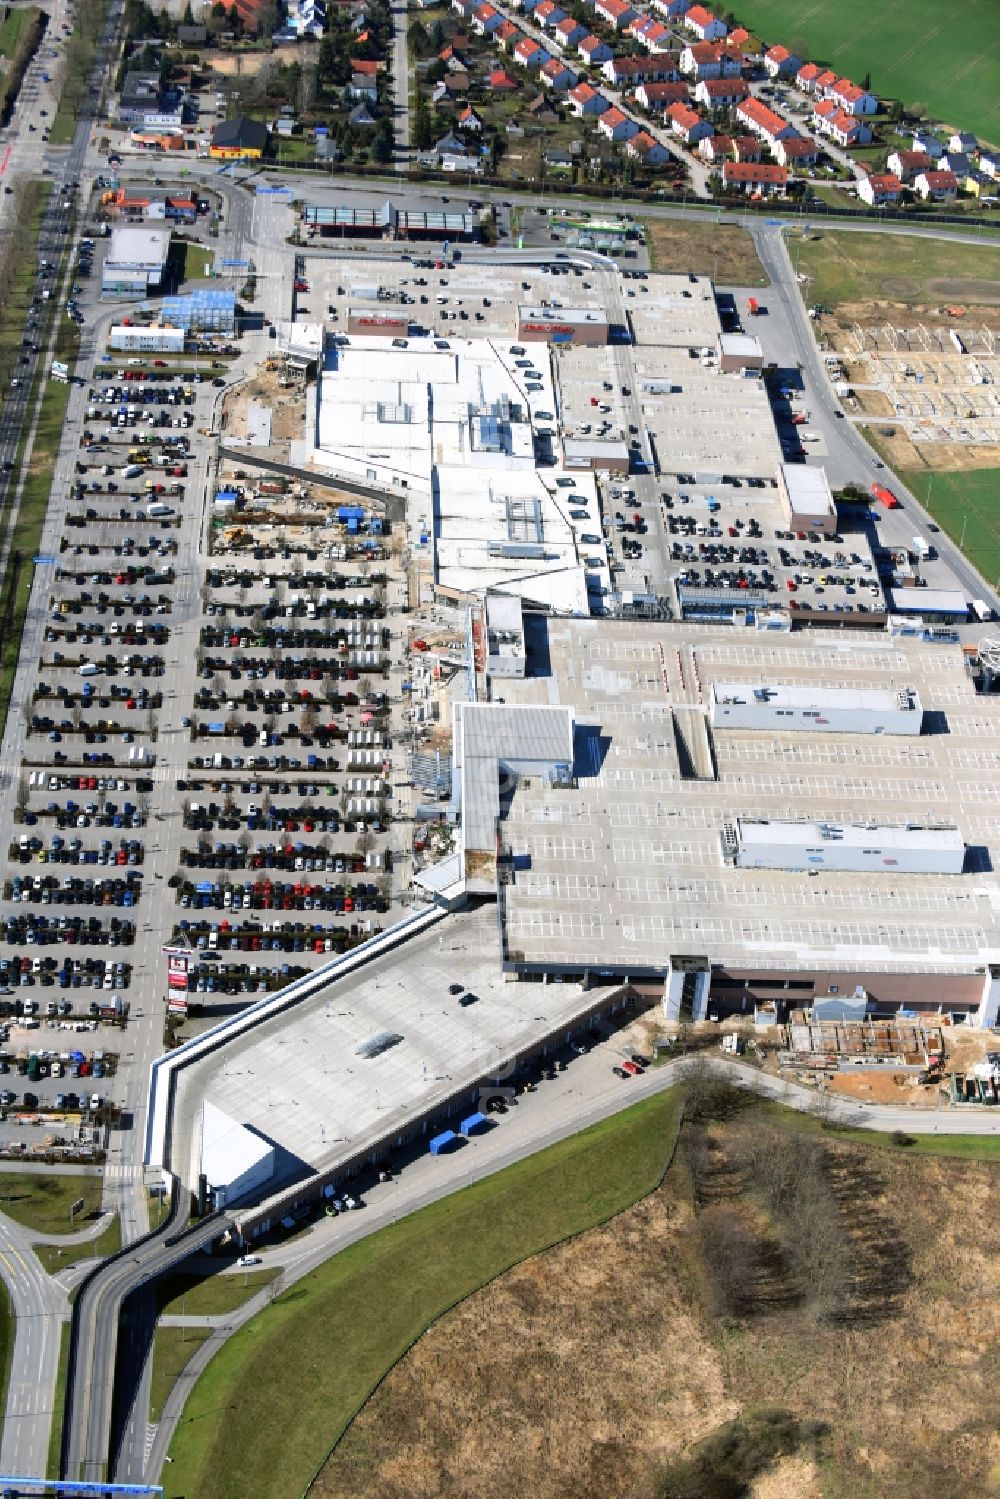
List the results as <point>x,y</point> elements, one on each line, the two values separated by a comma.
<point>246,1260</point>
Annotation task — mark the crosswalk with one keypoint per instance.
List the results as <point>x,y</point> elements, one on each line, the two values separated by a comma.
<point>151,1427</point>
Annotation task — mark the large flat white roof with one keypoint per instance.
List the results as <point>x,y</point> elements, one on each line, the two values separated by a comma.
<point>816,695</point>
<point>765,832</point>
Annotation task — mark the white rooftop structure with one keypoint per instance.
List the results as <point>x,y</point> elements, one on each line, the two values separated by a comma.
<point>304,341</point>
<point>494,745</point>
<point>912,848</point>
<point>950,602</point>
<point>234,1159</point>
<point>133,248</point>
<point>448,425</point>
<point>815,708</point>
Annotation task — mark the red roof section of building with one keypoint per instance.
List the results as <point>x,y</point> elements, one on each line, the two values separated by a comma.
<point>759,114</point>
<point>751,171</point>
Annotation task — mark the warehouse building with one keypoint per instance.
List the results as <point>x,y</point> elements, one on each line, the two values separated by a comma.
<point>135,262</point>
<point>815,709</point>
<point>739,352</point>
<point>806,499</point>
<point>152,338</point>
<point>563,325</point>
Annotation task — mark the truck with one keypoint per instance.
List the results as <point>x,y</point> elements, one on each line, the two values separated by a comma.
<point>885,496</point>
<point>808,437</point>
<point>981,610</point>
<point>131,470</point>
<point>753,307</point>
<point>922,548</point>
<point>159,508</point>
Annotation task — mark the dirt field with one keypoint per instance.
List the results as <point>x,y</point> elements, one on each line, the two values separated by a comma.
<point>722,251</point>
<point>885,1085</point>
<point>287,406</point>
<point>901,453</point>
<point>582,1372</point>
<point>246,64</point>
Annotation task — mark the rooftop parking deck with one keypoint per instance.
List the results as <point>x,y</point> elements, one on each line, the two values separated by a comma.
<point>627,868</point>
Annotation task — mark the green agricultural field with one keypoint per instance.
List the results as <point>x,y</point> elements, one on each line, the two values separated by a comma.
<point>965,505</point>
<point>849,267</point>
<point>918,51</point>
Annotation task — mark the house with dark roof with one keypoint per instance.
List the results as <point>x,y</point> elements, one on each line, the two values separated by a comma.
<point>240,137</point>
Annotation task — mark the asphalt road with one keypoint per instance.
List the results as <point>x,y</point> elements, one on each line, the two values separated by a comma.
<point>40,1308</point>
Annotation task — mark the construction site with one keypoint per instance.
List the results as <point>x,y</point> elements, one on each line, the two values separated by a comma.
<point>939,384</point>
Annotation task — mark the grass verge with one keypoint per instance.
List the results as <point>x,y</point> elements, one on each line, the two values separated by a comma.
<point>173,1347</point>
<point>58,1257</point>
<point>81,50</point>
<point>965,506</point>
<point>43,1202</point>
<point>7,1331</point>
<point>906,268</point>
<point>723,251</point>
<point>27,533</point>
<point>261,1406</point>
<point>962,1147</point>
<point>58,1402</point>
<point>197,262</point>
<point>190,1297</point>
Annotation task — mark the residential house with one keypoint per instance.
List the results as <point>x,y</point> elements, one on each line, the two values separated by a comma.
<point>586,102</point>
<point>616,13</point>
<point>541,110</point>
<point>924,141</point>
<point>569,32</point>
<point>468,119</point>
<point>647,150</point>
<point>143,102</point>
<point>659,96</point>
<point>706,27</point>
<point>805,78</point>
<point>449,145</point>
<point>502,82</point>
<point>879,188</point>
<point>464,8</point>
<point>453,59</point>
<point>594,51</point>
<point>506,35</point>
<point>530,54</point>
<point>629,72</point>
<point>485,19</point>
<point>763,181</point>
<point>555,75</point>
<point>716,149</point>
<point>363,86</point>
<point>906,164</point>
<point>796,151</point>
<point>976,183</point>
<point>780,63</point>
<point>651,34</point>
<point>192,36</point>
<point>764,122</point>
<point>840,126</point>
<point>955,161</point>
<point>463,162</point>
<point>688,124</point>
<point>852,99</point>
<point>936,187</point>
<point>616,125</point>
<point>361,116</point>
<point>738,37</point>
<point>306,19</point>
<point>963,141</point>
<point>721,93</point>
<point>825,81</point>
<point>547,15</point>
<point>710,60</point>
<point>673,10</point>
<point>989,164</point>
<point>558,160</point>
<point>747,148</point>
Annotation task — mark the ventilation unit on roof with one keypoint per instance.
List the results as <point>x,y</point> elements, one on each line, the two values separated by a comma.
<point>377,1044</point>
